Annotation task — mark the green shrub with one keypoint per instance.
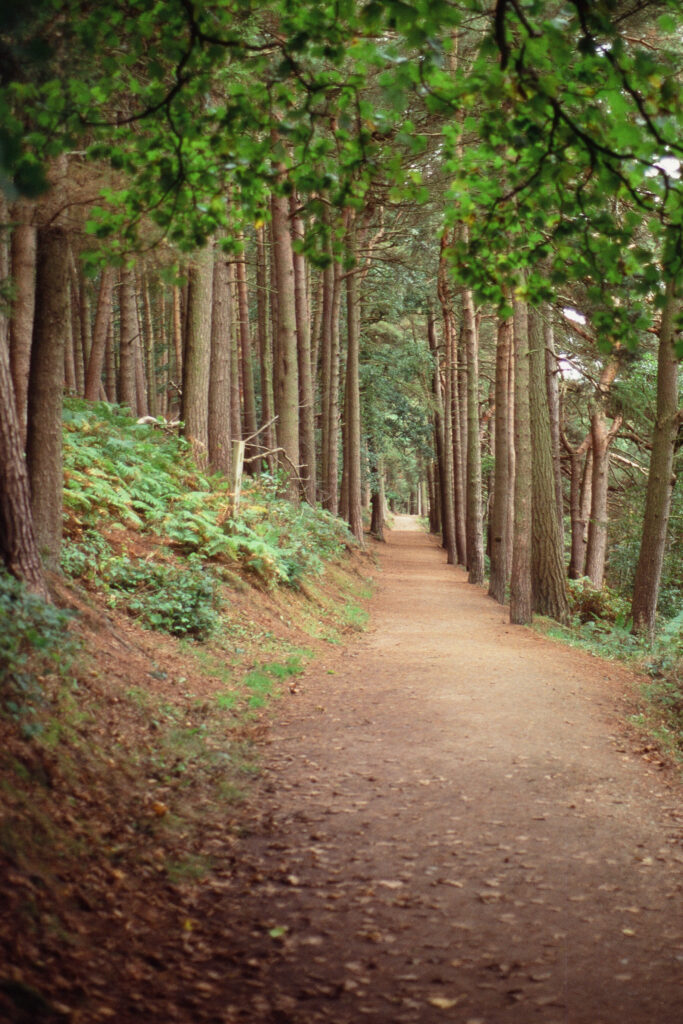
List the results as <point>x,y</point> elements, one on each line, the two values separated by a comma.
<point>181,600</point>
<point>34,640</point>
<point>589,604</point>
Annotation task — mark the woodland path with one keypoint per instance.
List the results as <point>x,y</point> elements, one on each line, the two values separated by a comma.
<point>453,829</point>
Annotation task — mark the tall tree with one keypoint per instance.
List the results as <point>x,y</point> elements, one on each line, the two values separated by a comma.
<point>661,480</point>
<point>197,355</point>
<point>521,602</point>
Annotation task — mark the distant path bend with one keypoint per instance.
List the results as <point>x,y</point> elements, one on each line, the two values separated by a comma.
<point>457,830</point>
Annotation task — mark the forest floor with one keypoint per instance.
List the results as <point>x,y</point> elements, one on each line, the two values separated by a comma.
<point>451,823</point>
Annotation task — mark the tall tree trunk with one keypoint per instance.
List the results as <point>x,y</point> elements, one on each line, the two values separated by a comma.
<point>303,333</point>
<point>18,546</point>
<point>197,356</point>
<point>23,256</point>
<point>175,407</point>
<point>77,328</point>
<point>661,479</point>
<point>330,480</point>
<point>520,579</point>
<point>377,500</point>
<point>499,513</point>
<point>581,462</point>
<point>220,440</point>
<point>149,348</point>
<point>553,391</point>
<point>44,420</point>
<point>547,557</point>
<point>352,446</point>
<point>451,464</point>
<point>127,393</point>
<point>93,373</point>
<point>443,448</point>
<point>287,380</point>
<point>475,535</point>
<point>142,404</point>
<point>248,391</point>
<point>601,439</point>
<point>235,361</point>
<point>265,350</point>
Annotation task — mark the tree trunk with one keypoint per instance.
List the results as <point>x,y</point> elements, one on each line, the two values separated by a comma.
<point>601,439</point>
<point>197,356</point>
<point>23,255</point>
<point>377,501</point>
<point>553,393</point>
<point>475,535</point>
<point>18,547</point>
<point>547,556</point>
<point>661,478</point>
<point>149,348</point>
<point>248,392</point>
<point>352,445</point>
<point>44,420</point>
<point>520,579</point>
<point>287,374</point>
<point>581,462</point>
<point>499,512</point>
<point>303,334</point>
<point>93,373</point>
<point>443,448</point>
<point>330,403</point>
<point>265,352</point>
<point>220,440</point>
<point>127,393</point>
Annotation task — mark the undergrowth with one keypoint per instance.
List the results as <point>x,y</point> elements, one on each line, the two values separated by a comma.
<point>123,477</point>
<point>601,624</point>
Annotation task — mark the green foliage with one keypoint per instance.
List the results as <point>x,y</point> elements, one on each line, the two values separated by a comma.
<point>178,599</point>
<point>122,474</point>
<point>598,606</point>
<point>34,640</point>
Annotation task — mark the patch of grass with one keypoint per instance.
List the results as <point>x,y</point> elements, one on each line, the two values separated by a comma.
<point>355,617</point>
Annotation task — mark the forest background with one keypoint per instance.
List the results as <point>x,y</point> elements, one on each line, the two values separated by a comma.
<point>429,252</point>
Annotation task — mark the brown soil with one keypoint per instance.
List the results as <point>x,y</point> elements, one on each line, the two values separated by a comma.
<point>450,825</point>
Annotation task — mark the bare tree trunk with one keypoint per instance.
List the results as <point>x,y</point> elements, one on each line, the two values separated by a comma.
<point>248,392</point>
<point>220,440</point>
<point>23,256</point>
<point>499,513</point>
<point>443,448</point>
<point>176,405</point>
<point>149,347</point>
<point>601,439</point>
<point>547,556</point>
<point>475,535</point>
<point>18,546</point>
<point>352,446</point>
<point>287,367</point>
<point>553,390</point>
<point>44,420</point>
<point>77,328</point>
<point>265,353</point>
<point>330,483</point>
<point>93,373</point>
<point>520,580</point>
<point>197,356</point>
<point>579,502</point>
<point>661,479</point>
<point>127,393</point>
<point>303,333</point>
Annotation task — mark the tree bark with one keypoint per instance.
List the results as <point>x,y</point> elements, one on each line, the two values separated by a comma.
<point>248,391</point>
<point>520,579</point>
<point>443,449</point>
<point>219,433</point>
<point>93,373</point>
<point>265,351</point>
<point>475,535</point>
<point>303,333</point>
<point>197,356</point>
<point>553,393</point>
<point>127,393</point>
<point>287,380</point>
<point>499,512</point>
<point>18,546</point>
<point>44,419</point>
<point>579,503</point>
<point>661,479</point>
<point>601,439</point>
<point>547,556</point>
<point>23,257</point>
<point>352,446</point>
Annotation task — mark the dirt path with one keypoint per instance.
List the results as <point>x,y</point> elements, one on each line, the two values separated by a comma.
<point>454,831</point>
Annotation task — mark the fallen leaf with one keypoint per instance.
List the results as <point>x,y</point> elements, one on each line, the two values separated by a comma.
<point>443,1003</point>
